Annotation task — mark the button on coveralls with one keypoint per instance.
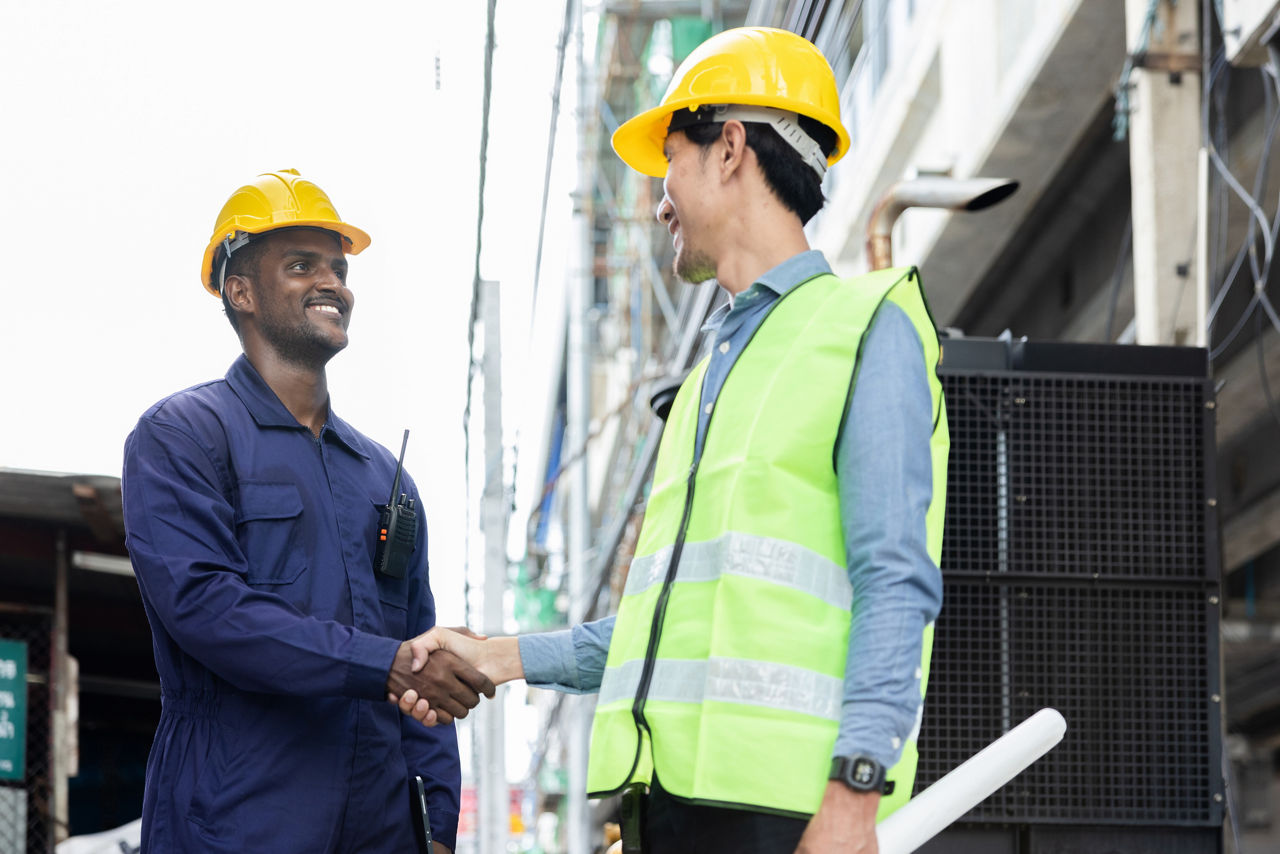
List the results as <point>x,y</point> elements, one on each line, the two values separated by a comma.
<point>253,541</point>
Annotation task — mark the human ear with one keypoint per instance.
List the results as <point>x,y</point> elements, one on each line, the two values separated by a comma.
<point>239,293</point>
<point>734,137</point>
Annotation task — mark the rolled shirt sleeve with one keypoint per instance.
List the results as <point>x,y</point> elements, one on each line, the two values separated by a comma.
<point>571,660</point>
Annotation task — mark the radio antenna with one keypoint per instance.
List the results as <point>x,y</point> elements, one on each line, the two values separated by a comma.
<point>395,486</point>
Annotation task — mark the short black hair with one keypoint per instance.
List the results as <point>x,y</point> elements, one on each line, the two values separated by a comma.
<point>245,261</point>
<point>793,181</point>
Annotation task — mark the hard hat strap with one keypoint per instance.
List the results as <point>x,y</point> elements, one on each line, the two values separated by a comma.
<point>785,122</point>
<point>231,243</point>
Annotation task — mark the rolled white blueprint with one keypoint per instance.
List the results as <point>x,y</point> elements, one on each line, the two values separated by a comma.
<point>925,815</point>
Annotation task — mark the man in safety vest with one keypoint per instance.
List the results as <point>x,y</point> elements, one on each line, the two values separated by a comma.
<point>765,673</point>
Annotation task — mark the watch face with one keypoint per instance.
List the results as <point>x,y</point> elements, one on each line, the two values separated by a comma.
<point>864,772</point>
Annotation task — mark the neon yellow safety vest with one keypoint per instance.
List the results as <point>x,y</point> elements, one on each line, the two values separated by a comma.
<point>726,667</point>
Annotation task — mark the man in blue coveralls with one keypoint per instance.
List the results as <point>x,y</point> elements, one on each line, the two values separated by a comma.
<point>251,516</point>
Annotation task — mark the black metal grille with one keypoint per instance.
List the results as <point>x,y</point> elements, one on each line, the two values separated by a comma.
<point>1079,574</point>
<point>1127,667</point>
<point>1078,476</point>
<point>25,821</point>
<point>977,411</point>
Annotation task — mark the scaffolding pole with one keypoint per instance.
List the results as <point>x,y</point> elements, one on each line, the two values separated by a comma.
<point>490,754</point>
<point>59,688</point>
<point>578,404</point>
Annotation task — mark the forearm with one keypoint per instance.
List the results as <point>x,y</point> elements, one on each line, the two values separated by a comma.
<point>255,640</point>
<point>193,574</point>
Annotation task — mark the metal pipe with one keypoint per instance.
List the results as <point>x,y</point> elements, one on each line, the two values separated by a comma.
<point>490,748</point>
<point>578,416</point>
<point>60,688</point>
<point>956,194</point>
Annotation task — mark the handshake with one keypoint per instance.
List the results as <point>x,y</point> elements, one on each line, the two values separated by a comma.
<point>439,675</point>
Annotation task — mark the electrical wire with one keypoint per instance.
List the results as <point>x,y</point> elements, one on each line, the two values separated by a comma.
<point>627,402</point>
<point>1248,248</point>
<point>1211,92</point>
<point>1235,330</point>
<point>1250,202</point>
<point>1260,269</point>
<point>1260,178</point>
<point>472,364</point>
<point>561,45</point>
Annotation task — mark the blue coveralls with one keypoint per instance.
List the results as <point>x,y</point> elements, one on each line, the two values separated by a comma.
<point>253,541</point>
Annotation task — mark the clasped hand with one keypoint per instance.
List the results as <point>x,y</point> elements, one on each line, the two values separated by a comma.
<point>433,684</point>
<point>439,675</point>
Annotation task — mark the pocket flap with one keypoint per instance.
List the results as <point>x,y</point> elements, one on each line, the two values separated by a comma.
<point>260,500</point>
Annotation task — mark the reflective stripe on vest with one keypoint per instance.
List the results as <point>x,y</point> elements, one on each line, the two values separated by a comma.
<point>733,680</point>
<point>727,662</point>
<point>787,564</point>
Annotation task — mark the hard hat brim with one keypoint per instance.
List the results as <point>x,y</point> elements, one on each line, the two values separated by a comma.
<point>639,140</point>
<point>356,241</point>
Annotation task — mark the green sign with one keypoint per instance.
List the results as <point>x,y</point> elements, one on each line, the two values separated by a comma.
<point>13,709</point>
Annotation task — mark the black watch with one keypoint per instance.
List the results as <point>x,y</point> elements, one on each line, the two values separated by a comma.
<point>860,773</point>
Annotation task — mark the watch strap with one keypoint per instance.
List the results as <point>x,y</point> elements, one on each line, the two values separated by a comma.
<point>860,773</point>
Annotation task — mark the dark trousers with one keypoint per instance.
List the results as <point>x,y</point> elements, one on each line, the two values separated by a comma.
<point>675,827</point>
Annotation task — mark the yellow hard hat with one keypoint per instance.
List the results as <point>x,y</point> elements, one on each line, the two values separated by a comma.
<point>275,200</point>
<point>753,66</point>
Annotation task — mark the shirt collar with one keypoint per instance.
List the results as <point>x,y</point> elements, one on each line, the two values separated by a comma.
<point>268,411</point>
<point>780,279</point>
<point>796,269</point>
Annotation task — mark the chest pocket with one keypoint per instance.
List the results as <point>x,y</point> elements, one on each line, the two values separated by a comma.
<point>268,526</point>
<point>393,593</point>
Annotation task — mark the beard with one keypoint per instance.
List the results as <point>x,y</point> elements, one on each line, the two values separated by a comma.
<point>692,266</point>
<point>299,343</point>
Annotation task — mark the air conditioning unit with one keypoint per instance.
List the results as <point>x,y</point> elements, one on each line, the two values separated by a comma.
<point>1247,27</point>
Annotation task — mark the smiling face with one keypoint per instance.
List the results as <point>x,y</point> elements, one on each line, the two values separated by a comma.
<point>684,209</point>
<point>300,304</point>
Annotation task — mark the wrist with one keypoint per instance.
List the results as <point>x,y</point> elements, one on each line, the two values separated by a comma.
<point>861,806</point>
<point>501,659</point>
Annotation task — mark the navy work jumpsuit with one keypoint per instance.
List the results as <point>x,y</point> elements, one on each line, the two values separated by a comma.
<point>253,541</point>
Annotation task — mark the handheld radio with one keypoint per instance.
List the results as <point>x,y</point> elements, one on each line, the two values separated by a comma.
<point>397,527</point>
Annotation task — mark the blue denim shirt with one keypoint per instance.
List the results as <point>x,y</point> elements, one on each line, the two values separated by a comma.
<point>252,541</point>
<point>885,480</point>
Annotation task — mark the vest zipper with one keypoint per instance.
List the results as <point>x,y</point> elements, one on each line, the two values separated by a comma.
<point>655,628</point>
<point>660,608</point>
